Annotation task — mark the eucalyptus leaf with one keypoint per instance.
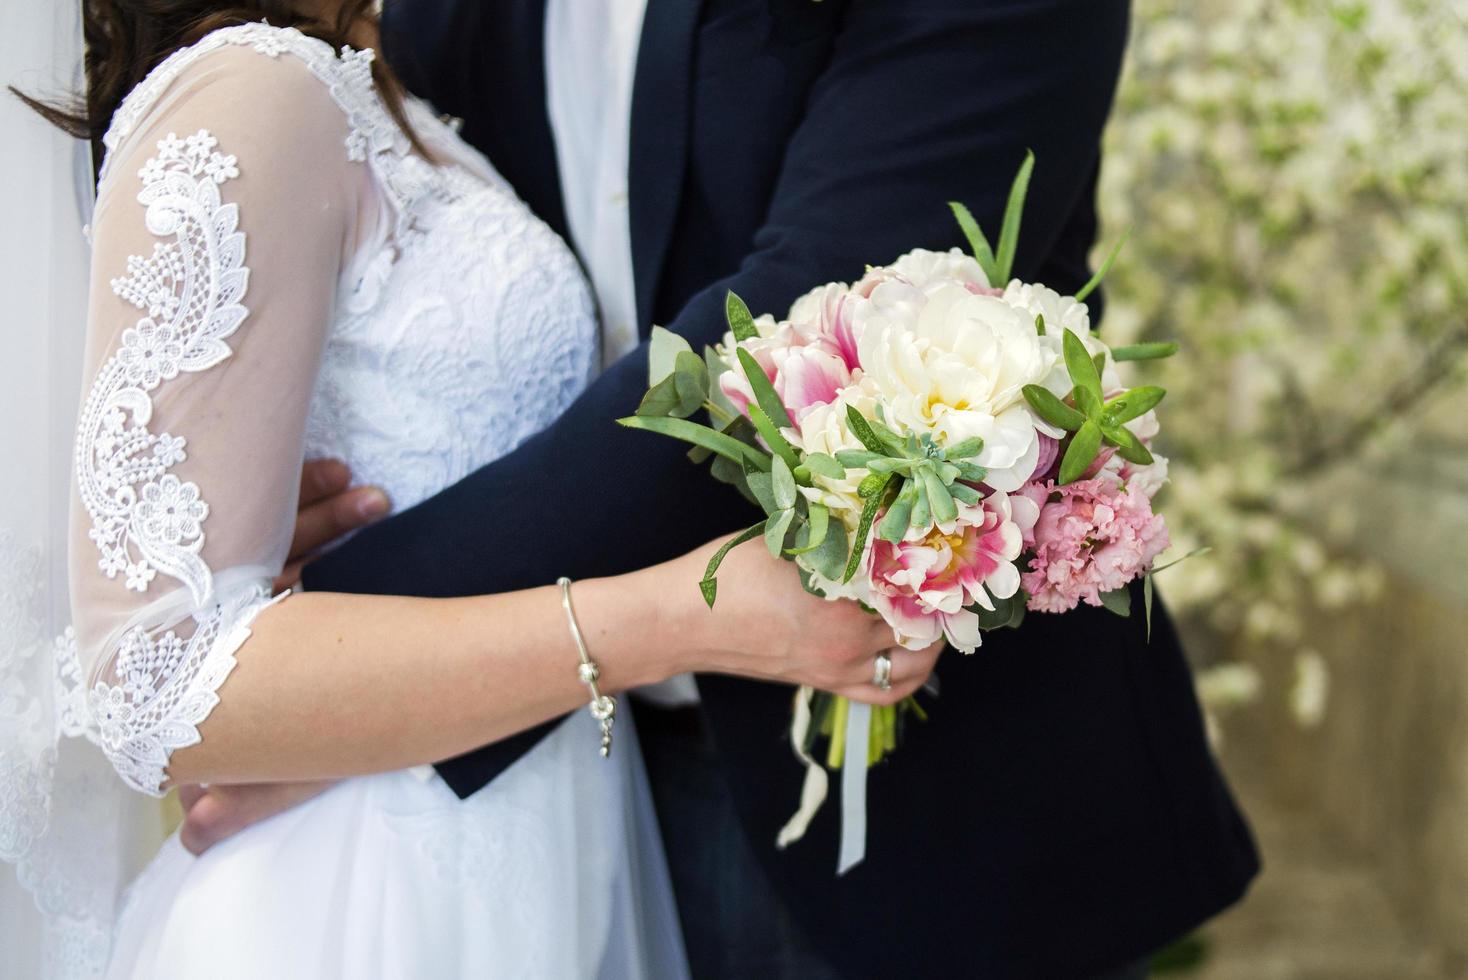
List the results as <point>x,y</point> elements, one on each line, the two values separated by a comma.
<point>1052,409</point>
<point>710,585</point>
<point>775,529</point>
<point>1145,352</point>
<point>1006,614</point>
<point>783,484</point>
<point>1135,403</point>
<point>1105,269</point>
<point>829,559</point>
<point>699,435</point>
<point>661,399</point>
<point>1013,211</point>
<point>761,485</point>
<point>813,531</point>
<point>741,321</point>
<point>823,465</point>
<point>663,348</point>
<point>1084,446</point>
<point>977,243</point>
<point>1118,601</point>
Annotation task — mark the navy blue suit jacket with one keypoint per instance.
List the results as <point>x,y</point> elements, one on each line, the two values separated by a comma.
<point>1060,813</point>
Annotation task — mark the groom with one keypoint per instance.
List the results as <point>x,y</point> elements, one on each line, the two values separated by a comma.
<point>1058,815</point>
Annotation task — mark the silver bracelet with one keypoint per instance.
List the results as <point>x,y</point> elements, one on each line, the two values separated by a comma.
<point>603,706</point>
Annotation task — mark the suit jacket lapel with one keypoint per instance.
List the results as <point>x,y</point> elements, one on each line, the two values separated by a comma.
<point>658,156</point>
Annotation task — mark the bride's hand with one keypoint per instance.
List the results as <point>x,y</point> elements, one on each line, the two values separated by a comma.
<point>764,625</point>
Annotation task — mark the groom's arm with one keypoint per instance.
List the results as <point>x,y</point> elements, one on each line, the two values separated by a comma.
<point>923,101</point>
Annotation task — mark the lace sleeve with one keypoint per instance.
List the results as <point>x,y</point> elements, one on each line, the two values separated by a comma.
<point>219,237</point>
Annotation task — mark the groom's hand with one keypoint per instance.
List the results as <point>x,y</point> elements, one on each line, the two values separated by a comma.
<point>216,813</point>
<point>329,508</point>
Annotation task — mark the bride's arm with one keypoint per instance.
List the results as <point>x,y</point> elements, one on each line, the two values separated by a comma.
<point>334,685</point>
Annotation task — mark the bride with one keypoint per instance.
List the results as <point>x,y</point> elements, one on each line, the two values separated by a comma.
<point>290,259</point>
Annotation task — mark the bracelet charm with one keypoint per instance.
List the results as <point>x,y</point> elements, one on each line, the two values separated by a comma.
<point>603,707</point>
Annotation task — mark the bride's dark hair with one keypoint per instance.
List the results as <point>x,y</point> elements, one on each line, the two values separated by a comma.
<point>126,39</point>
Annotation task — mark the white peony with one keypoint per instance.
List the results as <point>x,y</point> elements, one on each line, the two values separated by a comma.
<point>923,268</point>
<point>954,364</point>
<point>1060,313</point>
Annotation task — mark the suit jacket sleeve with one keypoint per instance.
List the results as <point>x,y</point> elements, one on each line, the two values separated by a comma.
<point>922,102</point>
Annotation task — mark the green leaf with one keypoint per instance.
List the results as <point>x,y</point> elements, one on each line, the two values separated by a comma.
<point>1118,601</point>
<point>710,585</point>
<point>977,243</point>
<point>1128,445</point>
<point>741,321</point>
<point>699,435</point>
<point>1078,362</point>
<point>1147,602</point>
<point>857,459</point>
<point>1100,361</point>
<point>940,501</point>
<point>862,429</point>
<point>1195,553</point>
<point>971,472</point>
<point>1105,269</point>
<point>864,525</point>
<point>1013,211</point>
<point>922,510</point>
<point>775,531</point>
<point>739,428</point>
<point>1144,352</point>
<point>1084,446</point>
<point>661,399</point>
<point>823,465</point>
<point>716,366</point>
<point>761,485</point>
<point>1040,324</point>
<point>829,560</point>
<point>764,391</point>
<point>872,484</point>
<point>1088,403</point>
<point>813,532</point>
<point>1052,409</point>
<point>894,524</point>
<point>783,484</point>
<point>1006,614</point>
<point>1135,403</point>
<point>725,470</point>
<point>777,442</point>
<point>967,449</point>
<point>965,493</point>
<point>663,349</point>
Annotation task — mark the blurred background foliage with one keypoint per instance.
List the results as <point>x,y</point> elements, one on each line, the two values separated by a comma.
<point>1295,177</point>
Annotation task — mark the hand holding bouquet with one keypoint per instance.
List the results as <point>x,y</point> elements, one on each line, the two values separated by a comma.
<point>938,441</point>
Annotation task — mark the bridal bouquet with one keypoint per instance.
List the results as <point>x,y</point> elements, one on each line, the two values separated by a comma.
<point>942,443</point>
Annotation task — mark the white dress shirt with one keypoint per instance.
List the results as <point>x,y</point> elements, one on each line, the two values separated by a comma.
<point>590,59</point>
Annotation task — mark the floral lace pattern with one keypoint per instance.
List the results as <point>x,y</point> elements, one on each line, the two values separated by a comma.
<point>144,519</point>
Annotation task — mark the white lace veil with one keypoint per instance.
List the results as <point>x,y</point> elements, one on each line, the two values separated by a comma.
<point>68,826</point>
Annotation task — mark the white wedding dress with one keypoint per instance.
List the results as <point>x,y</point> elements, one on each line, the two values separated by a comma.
<point>278,274</point>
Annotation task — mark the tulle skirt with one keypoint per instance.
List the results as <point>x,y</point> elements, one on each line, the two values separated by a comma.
<point>554,870</point>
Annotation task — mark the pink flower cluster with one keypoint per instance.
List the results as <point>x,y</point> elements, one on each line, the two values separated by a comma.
<point>1092,536</point>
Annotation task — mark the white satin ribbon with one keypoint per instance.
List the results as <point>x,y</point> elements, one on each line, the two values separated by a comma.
<point>854,787</point>
<point>813,791</point>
